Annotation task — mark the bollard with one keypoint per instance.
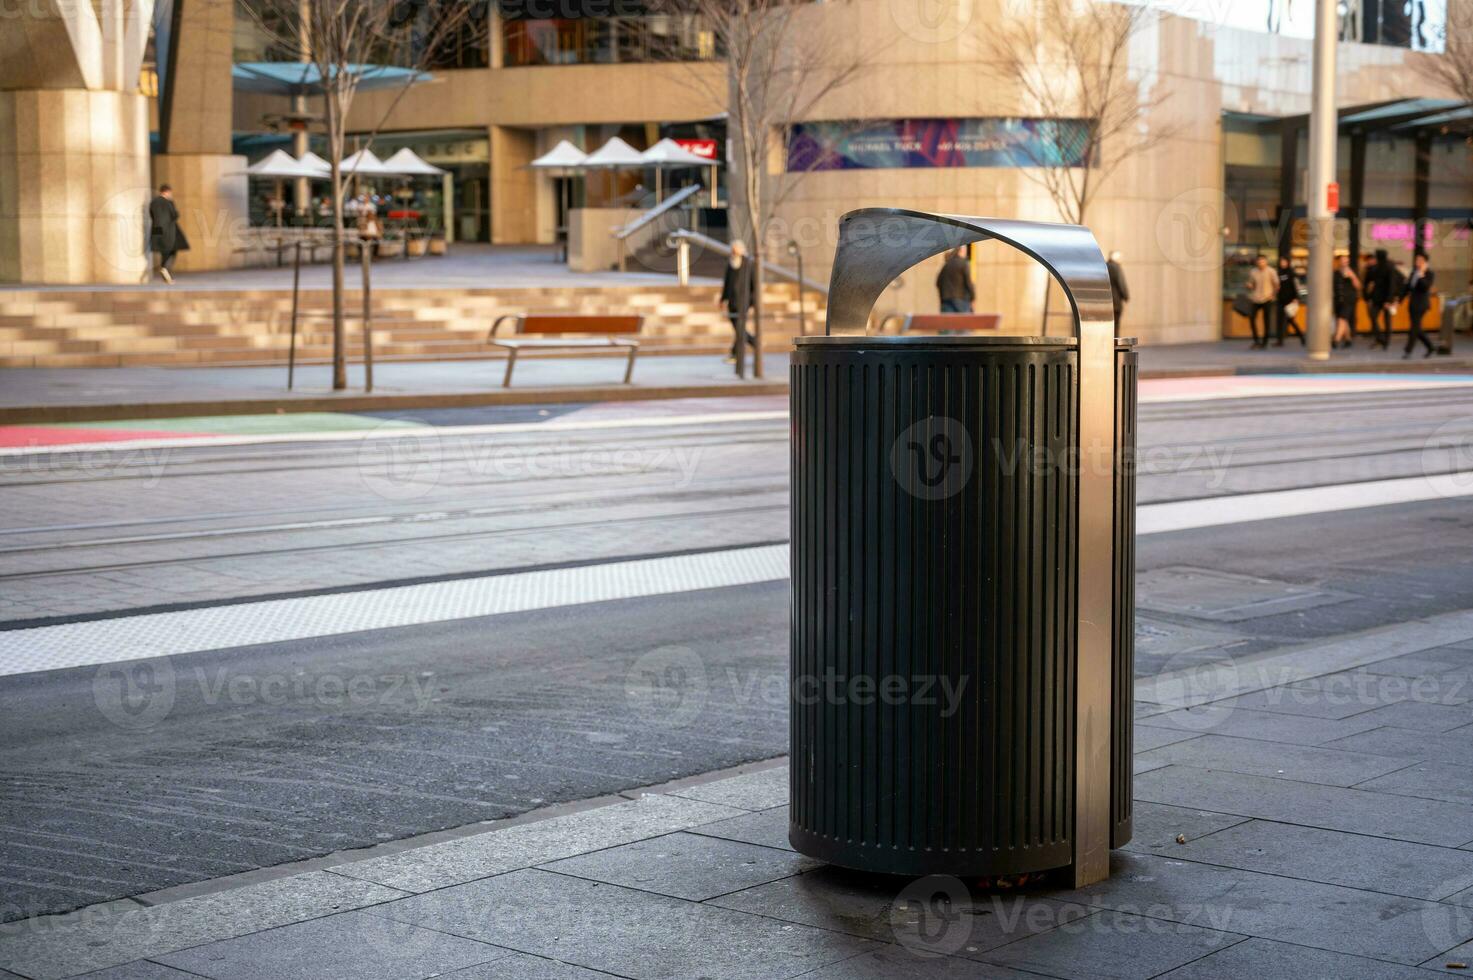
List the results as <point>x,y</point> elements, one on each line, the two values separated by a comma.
<point>962,573</point>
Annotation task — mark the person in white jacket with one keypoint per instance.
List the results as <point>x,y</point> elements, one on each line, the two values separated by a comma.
<point>1263,289</point>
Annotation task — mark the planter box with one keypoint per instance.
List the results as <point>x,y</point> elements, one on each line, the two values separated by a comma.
<point>390,249</point>
<point>438,246</point>
<point>418,246</point>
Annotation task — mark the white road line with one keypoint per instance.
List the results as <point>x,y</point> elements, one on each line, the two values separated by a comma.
<point>159,634</point>
<point>390,431</point>
<point>125,638</point>
<point>1243,508</point>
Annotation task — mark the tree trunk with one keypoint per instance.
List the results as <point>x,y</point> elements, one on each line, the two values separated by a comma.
<point>335,154</point>
<point>756,308</point>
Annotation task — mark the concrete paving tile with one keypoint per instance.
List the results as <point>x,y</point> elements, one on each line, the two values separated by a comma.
<point>1420,715</point>
<point>749,791</point>
<point>1354,811</point>
<point>1144,709</point>
<point>1345,920</point>
<point>1148,737</point>
<point>521,966</point>
<point>139,970</point>
<point>1440,660</point>
<point>1263,725</point>
<point>91,940</point>
<point>899,963</point>
<point>686,866</point>
<point>900,910</point>
<point>1139,765</point>
<point>1354,860</point>
<point>768,828</point>
<point>1454,747</point>
<point>1265,958</point>
<point>1155,827</point>
<point>525,845</point>
<point>352,946</point>
<point>1457,961</point>
<point>1111,945</point>
<point>620,930</point>
<point>1332,766</point>
<point>1428,780</point>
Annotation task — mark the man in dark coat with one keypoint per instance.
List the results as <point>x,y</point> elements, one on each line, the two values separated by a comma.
<point>954,283</point>
<point>1381,289</point>
<point>1417,291</point>
<point>736,294</point>
<point>165,236</point>
<point>1119,291</point>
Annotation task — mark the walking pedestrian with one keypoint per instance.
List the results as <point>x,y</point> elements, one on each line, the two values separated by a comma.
<point>1119,291</point>
<point>1263,288</point>
<point>1418,293</point>
<point>954,283</point>
<point>1288,302</point>
<point>736,293</point>
<point>1346,300</point>
<point>1379,273</point>
<point>166,239</point>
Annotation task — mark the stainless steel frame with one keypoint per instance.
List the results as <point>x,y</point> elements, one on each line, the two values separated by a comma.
<point>876,245</point>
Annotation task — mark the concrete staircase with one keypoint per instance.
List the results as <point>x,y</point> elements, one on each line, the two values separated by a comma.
<point>159,327</point>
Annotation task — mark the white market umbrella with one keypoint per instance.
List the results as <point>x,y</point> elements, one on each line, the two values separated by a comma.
<point>668,153</point>
<point>280,165</point>
<point>564,156</point>
<point>614,153</point>
<point>410,164</point>
<point>365,164</point>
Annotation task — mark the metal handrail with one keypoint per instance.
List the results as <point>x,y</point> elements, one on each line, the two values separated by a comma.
<point>684,194</point>
<point>716,245</point>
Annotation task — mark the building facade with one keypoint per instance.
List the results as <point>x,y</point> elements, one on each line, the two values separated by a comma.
<point>926,124</point>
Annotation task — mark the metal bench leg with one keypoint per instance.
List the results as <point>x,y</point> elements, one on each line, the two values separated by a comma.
<point>629,366</point>
<point>511,362</point>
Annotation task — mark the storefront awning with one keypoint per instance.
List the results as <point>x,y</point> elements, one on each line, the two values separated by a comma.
<point>304,78</point>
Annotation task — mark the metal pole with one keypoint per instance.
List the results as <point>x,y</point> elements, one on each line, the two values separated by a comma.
<point>366,251</point>
<point>682,262</point>
<point>1323,123</point>
<point>797,255</point>
<point>291,356</point>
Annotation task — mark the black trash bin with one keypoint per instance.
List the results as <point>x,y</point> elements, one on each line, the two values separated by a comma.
<point>963,559</point>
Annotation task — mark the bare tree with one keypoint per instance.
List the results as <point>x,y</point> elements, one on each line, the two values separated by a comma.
<point>1071,62</point>
<point>776,76</point>
<point>346,41</point>
<point>1454,67</point>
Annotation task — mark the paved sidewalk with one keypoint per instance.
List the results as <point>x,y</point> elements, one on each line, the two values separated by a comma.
<point>30,395</point>
<point>1309,814</point>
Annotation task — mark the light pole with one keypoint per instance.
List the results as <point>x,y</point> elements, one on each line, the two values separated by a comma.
<point>1322,195</point>
<point>797,254</point>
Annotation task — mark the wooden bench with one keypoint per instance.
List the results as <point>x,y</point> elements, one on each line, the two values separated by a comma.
<point>554,330</point>
<point>943,322</point>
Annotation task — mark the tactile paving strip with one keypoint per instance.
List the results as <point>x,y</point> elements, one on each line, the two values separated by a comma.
<point>108,641</point>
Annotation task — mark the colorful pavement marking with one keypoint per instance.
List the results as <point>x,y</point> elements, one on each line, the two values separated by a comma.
<point>198,427</point>
<point>1270,385</point>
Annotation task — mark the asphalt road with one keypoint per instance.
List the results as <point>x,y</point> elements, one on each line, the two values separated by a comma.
<point>263,755</point>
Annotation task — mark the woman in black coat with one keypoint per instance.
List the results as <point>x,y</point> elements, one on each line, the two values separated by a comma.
<point>164,234</point>
<point>1418,294</point>
<point>736,294</point>
<point>1347,298</point>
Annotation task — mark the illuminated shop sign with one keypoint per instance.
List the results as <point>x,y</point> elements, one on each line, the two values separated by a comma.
<point>894,144</point>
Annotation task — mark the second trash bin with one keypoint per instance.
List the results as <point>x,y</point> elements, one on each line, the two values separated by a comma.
<point>963,560</point>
